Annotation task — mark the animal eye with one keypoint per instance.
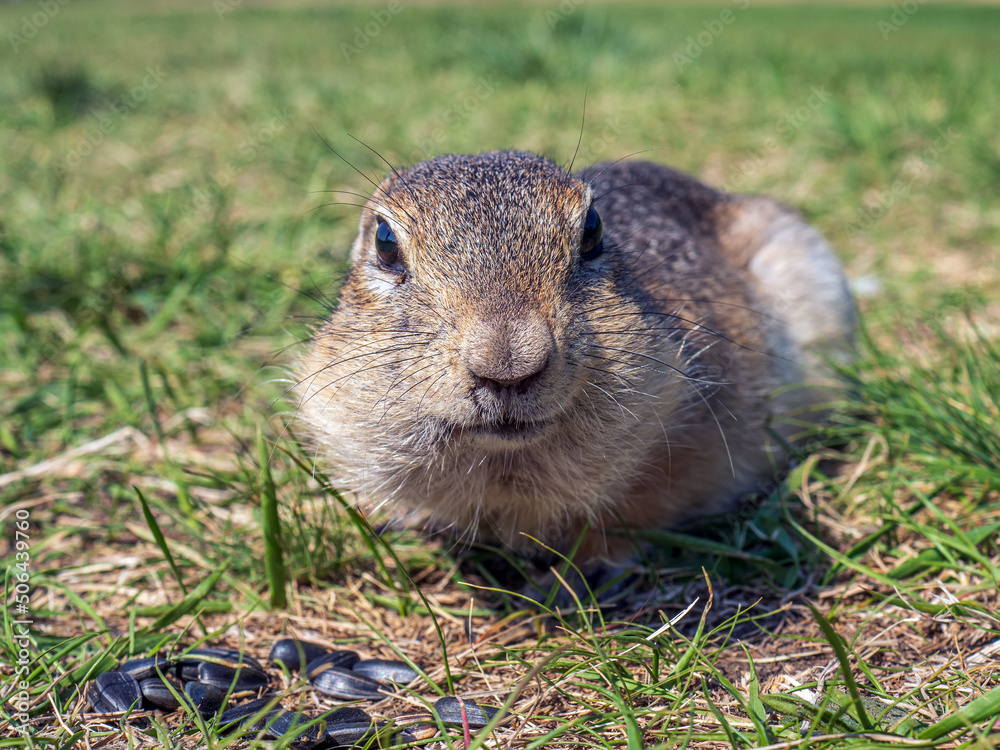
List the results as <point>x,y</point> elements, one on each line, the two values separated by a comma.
<point>593,236</point>
<point>385,244</point>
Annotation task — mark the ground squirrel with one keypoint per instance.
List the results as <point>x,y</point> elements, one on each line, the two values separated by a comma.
<point>518,351</point>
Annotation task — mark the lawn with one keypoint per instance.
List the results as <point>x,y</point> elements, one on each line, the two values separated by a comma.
<point>166,242</point>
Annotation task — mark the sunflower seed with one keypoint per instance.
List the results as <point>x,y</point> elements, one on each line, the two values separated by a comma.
<point>450,711</point>
<point>98,703</point>
<point>226,657</point>
<point>354,734</point>
<point>143,669</point>
<point>287,723</point>
<point>207,699</point>
<point>156,692</point>
<point>346,715</point>
<point>239,716</point>
<point>240,680</point>
<point>344,684</point>
<point>118,691</point>
<point>343,659</point>
<point>349,733</point>
<point>385,670</point>
<point>295,654</point>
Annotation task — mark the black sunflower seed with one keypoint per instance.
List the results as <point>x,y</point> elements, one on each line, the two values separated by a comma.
<point>295,654</point>
<point>345,684</point>
<point>143,669</point>
<point>356,734</point>
<point>343,659</point>
<point>289,724</point>
<point>118,691</point>
<point>350,733</point>
<point>98,703</point>
<point>346,715</point>
<point>156,692</point>
<point>239,716</point>
<point>226,657</point>
<point>241,680</point>
<point>207,699</point>
<point>450,711</point>
<point>386,670</point>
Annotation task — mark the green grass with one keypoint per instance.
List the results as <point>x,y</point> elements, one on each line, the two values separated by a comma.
<point>156,276</point>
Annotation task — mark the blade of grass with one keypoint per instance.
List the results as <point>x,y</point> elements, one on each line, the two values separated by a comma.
<point>754,707</point>
<point>732,735</point>
<point>274,563</point>
<point>189,602</point>
<point>357,519</point>
<point>837,644</point>
<point>183,495</point>
<point>374,541</point>
<point>802,710</point>
<point>161,542</point>
<point>984,707</point>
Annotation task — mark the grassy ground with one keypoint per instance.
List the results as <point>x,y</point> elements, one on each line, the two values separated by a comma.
<point>161,247</point>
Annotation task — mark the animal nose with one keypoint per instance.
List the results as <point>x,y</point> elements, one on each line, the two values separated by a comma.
<point>508,356</point>
<point>513,382</point>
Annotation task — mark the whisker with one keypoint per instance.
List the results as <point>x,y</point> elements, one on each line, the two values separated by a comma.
<point>403,394</point>
<point>623,158</point>
<point>579,140</point>
<point>370,180</point>
<point>271,278</point>
<point>615,401</point>
<point>409,189</point>
<point>336,203</point>
<point>615,189</point>
<point>682,373</point>
<point>382,206</point>
<point>338,362</point>
<point>388,406</point>
<point>696,328</point>
<point>421,402</point>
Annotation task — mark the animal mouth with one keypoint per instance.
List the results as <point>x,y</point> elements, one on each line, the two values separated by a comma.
<point>506,430</point>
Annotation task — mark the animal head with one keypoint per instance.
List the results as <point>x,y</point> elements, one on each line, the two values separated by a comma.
<point>482,362</point>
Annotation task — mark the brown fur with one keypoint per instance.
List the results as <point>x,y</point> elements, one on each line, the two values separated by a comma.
<point>650,375</point>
